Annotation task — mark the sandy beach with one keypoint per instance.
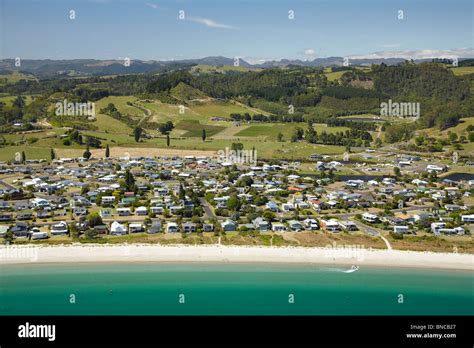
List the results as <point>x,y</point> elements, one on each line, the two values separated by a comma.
<point>24,254</point>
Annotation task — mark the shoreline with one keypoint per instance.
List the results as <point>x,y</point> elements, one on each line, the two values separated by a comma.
<point>145,253</point>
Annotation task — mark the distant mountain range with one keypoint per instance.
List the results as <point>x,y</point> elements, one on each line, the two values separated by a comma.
<point>47,68</point>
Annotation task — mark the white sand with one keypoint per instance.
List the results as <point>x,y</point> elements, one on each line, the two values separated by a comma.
<point>24,254</point>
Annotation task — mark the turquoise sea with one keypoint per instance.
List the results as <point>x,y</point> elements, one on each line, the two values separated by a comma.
<point>231,289</point>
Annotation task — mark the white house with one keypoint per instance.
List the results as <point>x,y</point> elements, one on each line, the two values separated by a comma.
<point>171,227</point>
<point>371,218</point>
<point>311,224</point>
<point>278,227</point>
<point>59,228</point>
<point>400,229</point>
<point>117,228</point>
<point>467,218</point>
<point>331,225</point>
<point>108,199</point>
<point>141,211</point>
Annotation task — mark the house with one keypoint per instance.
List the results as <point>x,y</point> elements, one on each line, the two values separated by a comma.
<point>348,225</point>
<point>3,230</point>
<point>39,202</point>
<point>117,228</point>
<point>295,225</point>
<point>261,224</point>
<point>286,207</point>
<point>436,226</point>
<point>60,228</point>
<point>24,215</point>
<point>452,207</point>
<point>36,234</point>
<point>331,225</point>
<point>455,230</point>
<point>172,227</point>
<point>189,227</point>
<point>105,213</point>
<point>400,229</point>
<point>208,228</point>
<point>5,217</point>
<point>124,212</point>
<point>467,218</point>
<point>278,227</point>
<point>435,168</point>
<point>311,224</point>
<point>20,229</point>
<point>155,227</point>
<point>157,209</point>
<point>272,206</point>
<point>135,228</point>
<point>108,200</point>
<point>79,211</point>
<point>371,218</point>
<point>228,226</point>
<point>141,211</point>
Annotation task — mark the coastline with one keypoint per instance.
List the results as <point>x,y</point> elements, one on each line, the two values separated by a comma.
<point>131,253</point>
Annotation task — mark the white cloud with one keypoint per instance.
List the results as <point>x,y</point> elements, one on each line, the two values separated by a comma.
<point>153,6</point>
<point>419,54</point>
<point>309,52</point>
<point>210,23</point>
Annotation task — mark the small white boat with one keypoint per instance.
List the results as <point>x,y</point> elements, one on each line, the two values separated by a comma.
<point>352,269</point>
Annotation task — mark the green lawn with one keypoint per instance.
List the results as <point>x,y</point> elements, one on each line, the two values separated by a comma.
<point>120,103</point>
<point>463,70</point>
<point>8,100</point>
<point>194,128</point>
<point>32,152</point>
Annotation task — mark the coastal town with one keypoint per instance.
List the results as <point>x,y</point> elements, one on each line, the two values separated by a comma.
<point>215,199</point>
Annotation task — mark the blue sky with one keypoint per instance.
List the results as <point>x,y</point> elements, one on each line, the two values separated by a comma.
<point>251,29</point>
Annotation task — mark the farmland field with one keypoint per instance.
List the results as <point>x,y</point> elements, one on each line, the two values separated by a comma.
<point>271,130</point>
<point>194,128</point>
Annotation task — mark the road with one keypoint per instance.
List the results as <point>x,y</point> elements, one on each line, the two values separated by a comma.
<point>207,209</point>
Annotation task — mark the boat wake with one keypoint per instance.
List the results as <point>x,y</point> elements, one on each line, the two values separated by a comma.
<point>353,269</point>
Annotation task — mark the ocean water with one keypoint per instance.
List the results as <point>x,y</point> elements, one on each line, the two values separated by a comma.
<point>231,289</point>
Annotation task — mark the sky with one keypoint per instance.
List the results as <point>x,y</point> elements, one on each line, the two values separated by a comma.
<point>254,30</point>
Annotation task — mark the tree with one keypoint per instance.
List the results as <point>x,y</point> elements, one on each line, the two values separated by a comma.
<point>233,203</point>
<point>167,140</point>
<point>94,219</point>
<point>237,146</point>
<point>53,155</point>
<point>19,102</point>
<point>107,151</point>
<point>8,237</point>
<point>166,128</point>
<point>129,181</point>
<point>87,154</point>
<point>137,133</point>
<point>203,134</point>
<point>182,192</point>
<point>397,172</point>
<point>471,136</point>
